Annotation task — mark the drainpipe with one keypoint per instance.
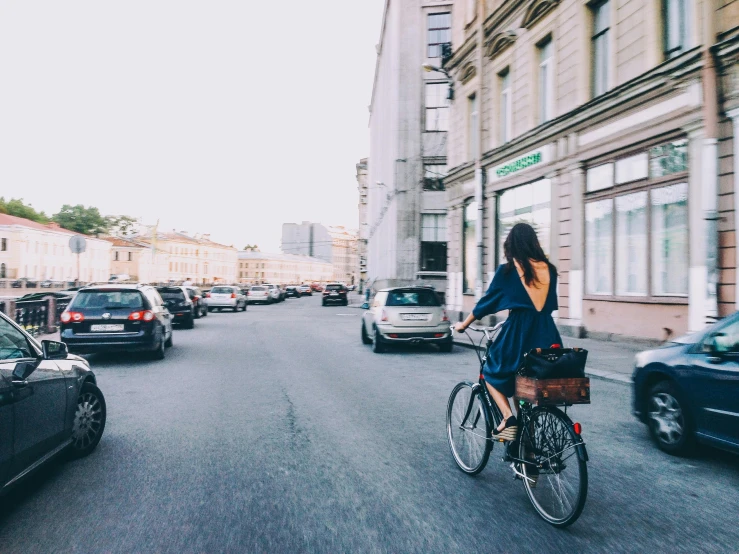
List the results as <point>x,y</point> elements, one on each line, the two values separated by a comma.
<point>710,160</point>
<point>479,172</point>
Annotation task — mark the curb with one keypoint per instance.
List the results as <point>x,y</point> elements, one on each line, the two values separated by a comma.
<point>613,376</point>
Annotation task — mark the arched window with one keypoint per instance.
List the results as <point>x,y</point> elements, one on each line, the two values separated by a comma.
<point>469,246</point>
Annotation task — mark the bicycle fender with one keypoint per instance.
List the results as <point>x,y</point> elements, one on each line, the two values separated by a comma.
<point>582,453</point>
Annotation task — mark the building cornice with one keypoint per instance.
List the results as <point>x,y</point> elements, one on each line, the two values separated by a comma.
<point>500,42</point>
<point>460,54</point>
<point>536,10</point>
<point>503,13</point>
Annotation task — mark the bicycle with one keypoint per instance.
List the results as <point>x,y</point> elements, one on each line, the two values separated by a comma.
<point>551,459</point>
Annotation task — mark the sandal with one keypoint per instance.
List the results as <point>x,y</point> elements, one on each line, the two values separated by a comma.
<point>509,431</point>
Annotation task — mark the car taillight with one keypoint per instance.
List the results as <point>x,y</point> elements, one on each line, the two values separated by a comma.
<point>144,315</point>
<point>383,316</point>
<point>233,295</point>
<point>207,295</point>
<point>444,317</point>
<point>72,316</point>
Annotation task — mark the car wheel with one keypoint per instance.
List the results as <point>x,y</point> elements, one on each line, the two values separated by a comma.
<point>323,303</point>
<point>377,346</point>
<point>669,421</point>
<point>235,308</point>
<point>159,353</point>
<point>205,312</point>
<point>365,337</point>
<point>89,421</point>
<point>168,342</point>
<point>190,322</point>
<point>447,346</point>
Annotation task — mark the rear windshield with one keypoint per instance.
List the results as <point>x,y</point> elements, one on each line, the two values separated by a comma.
<point>108,300</point>
<point>171,293</point>
<point>222,290</point>
<point>271,286</point>
<point>334,287</point>
<point>423,298</point>
<point>258,288</point>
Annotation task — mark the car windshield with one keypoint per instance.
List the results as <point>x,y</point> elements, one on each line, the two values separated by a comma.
<point>258,289</point>
<point>221,290</point>
<point>334,287</point>
<point>421,298</point>
<point>108,300</point>
<point>171,294</point>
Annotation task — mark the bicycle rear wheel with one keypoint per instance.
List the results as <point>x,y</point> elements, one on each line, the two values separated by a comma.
<point>468,429</point>
<point>559,489</point>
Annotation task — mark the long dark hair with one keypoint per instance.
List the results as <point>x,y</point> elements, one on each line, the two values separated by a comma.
<point>522,246</point>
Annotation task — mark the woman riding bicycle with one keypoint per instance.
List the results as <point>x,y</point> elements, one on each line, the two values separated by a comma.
<point>527,286</point>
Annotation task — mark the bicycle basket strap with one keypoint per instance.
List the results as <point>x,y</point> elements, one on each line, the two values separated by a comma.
<point>554,363</point>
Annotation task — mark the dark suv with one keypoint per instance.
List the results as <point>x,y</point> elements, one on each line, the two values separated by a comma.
<point>179,304</point>
<point>117,318</point>
<point>335,292</point>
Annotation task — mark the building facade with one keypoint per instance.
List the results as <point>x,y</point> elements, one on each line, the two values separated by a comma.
<point>335,245</point>
<point>344,255</point>
<point>409,119</point>
<point>41,251</point>
<point>609,126</point>
<point>282,269</point>
<point>138,260</point>
<point>363,224</point>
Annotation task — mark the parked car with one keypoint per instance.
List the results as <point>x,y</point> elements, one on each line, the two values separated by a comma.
<point>406,315</point>
<point>178,302</point>
<point>275,292</point>
<point>117,318</point>
<point>687,391</point>
<point>24,282</point>
<point>291,291</point>
<point>305,290</point>
<point>197,296</point>
<point>335,292</point>
<point>316,287</point>
<point>50,404</point>
<point>226,296</point>
<point>259,293</point>
<point>60,295</point>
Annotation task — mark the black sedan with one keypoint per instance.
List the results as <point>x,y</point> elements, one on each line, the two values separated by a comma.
<point>291,291</point>
<point>49,404</point>
<point>180,305</point>
<point>688,390</point>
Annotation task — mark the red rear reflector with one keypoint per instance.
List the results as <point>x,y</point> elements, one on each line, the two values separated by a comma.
<point>578,428</point>
<point>393,336</point>
<point>438,335</point>
<point>556,346</point>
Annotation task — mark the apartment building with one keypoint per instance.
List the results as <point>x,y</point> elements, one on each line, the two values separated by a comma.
<point>363,224</point>
<point>609,126</point>
<point>409,119</point>
<point>282,269</point>
<point>335,245</point>
<point>41,251</point>
<point>138,260</point>
<point>344,255</point>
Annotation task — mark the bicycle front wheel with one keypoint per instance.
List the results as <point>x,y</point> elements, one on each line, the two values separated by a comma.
<point>468,429</point>
<point>558,485</point>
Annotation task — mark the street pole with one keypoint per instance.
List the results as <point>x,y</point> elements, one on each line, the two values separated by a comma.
<point>79,280</point>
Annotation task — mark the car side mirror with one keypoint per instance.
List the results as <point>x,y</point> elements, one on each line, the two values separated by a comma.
<point>365,306</point>
<point>53,350</point>
<point>24,369</point>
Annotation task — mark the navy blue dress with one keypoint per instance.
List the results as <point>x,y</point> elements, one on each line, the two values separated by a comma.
<point>525,329</point>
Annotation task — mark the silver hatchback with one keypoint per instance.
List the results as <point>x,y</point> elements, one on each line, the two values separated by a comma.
<point>408,315</point>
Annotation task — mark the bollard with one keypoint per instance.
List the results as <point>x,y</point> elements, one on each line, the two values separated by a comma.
<point>50,314</point>
<point>9,308</point>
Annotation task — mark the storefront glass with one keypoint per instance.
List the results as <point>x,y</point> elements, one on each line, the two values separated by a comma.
<point>631,244</point>
<point>599,247</point>
<point>469,249</point>
<point>530,203</point>
<point>670,240</point>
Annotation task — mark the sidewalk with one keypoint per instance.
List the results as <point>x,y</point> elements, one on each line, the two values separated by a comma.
<point>613,361</point>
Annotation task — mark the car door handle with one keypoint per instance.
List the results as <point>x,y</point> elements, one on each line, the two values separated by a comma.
<point>20,384</point>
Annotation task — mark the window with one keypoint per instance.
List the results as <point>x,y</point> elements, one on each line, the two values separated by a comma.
<point>724,340</point>
<point>675,18</point>
<point>433,242</point>
<point>3,271</point>
<point>530,203</point>
<point>4,247</point>
<point>439,32</point>
<point>130,256</point>
<point>636,237</point>
<point>115,255</point>
<point>437,107</point>
<point>473,128</point>
<point>469,247</point>
<point>13,344</point>
<point>413,298</point>
<point>505,106</point>
<point>601,26</point>
<point>433,176</point>
<point>546,81</point>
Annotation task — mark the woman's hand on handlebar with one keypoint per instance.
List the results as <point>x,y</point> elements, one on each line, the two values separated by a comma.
<point>460,327</point>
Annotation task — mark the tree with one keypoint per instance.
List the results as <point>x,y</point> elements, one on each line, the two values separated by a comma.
<point>121,225</point>
<point>18,208</point>
<point>251,248</point>
<point>79,219</point>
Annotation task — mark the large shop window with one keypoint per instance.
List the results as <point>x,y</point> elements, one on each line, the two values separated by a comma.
<point>530,203</point>
<point>433,242</point>
<point>469,246</point>
<point>636,225</point>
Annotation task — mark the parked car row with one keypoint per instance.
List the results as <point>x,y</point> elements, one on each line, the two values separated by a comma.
<point>269,293</point>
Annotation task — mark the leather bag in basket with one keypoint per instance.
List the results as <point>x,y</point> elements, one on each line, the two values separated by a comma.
<point>554,363</point>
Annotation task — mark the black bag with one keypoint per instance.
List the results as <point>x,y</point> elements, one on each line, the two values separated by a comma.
<point>554,363</point>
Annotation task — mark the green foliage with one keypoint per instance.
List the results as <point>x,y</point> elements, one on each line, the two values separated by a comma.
<point>18,208</point>
<point>251,248</point>
<point>80,219</point>
<point>121,225</point>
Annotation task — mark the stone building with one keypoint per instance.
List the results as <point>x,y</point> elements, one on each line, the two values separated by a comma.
<point>363,225</point>
<point>406,211</point>
<point>335,245</point>
<point>605,125</point>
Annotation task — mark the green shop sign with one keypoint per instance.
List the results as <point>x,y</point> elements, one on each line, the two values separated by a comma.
<point>517,165</point>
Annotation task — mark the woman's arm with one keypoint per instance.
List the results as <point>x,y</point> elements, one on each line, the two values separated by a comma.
<point>462,325</point>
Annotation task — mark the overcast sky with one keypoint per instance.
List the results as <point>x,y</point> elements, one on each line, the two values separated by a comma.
<point>221,116</point>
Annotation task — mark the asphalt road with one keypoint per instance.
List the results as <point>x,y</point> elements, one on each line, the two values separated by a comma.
<point>276,430</point>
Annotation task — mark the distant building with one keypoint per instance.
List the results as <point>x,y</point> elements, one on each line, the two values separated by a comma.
<point>138,260</point>
<point>282,269</point>
<point>335,245</point>
<point>363,225</point>
<point>344,258</point>
<point>40,251</point>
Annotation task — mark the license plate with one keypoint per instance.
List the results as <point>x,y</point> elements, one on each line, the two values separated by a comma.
<point>108,328</point>
<point>333,294</point>
<point>414,317</point>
